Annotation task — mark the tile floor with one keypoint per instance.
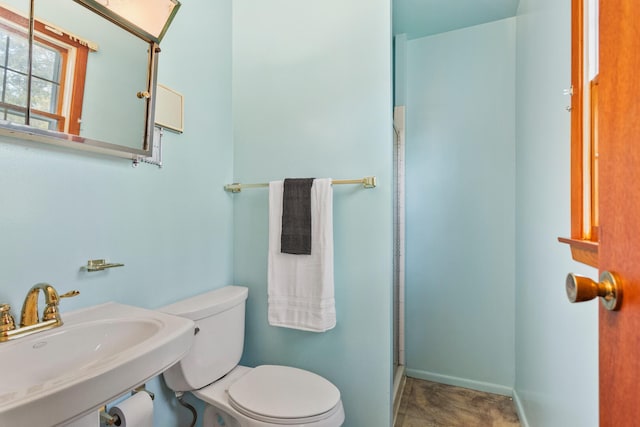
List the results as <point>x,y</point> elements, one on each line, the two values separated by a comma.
<point>429,404</point>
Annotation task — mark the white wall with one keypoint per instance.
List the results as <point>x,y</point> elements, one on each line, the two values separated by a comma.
<point>460,207</point>
<point>556,342</point>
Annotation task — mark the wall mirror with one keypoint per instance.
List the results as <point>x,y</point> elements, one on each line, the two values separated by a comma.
<point>78,74</point>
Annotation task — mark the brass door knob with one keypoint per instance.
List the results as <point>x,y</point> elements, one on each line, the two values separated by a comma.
<point>580,288</point>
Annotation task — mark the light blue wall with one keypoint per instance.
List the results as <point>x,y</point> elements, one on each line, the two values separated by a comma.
<point>424,18</point>
<point>312,97</point>
<point>400,70</point>
<point>172,227</point>
<point>460,207</point>
<point>556,342</point>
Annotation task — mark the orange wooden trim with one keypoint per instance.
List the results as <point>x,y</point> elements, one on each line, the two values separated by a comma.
<point>77,93</point>
<point>47,114</point>
<point>594,154</point>
<point>584,251</point>
<point>22,21</point>
<point>577,108</point>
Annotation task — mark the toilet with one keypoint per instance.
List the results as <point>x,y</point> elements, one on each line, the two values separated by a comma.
<point>239,396</point>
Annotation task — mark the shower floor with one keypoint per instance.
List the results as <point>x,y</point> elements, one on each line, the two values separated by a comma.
<point>429,404</point>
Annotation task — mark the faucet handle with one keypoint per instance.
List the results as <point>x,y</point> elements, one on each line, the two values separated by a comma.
<point>7,323</point>
<point>70,294</point>
<point>51,311</point>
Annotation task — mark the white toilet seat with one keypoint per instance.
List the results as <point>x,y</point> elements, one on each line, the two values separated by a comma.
<point>252,413</point>
<point>284,395</point>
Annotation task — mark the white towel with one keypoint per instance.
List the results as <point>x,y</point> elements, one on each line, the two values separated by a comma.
<point>300,287</point>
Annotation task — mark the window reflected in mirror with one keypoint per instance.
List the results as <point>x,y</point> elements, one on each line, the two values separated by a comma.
<point>58,72</point>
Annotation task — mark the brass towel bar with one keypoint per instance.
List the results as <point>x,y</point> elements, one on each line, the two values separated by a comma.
<point>367,182</point>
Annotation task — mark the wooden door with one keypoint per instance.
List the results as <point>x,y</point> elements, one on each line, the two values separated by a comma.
<point>619,208</point>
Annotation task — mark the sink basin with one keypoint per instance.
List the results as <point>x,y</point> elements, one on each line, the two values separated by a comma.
<point>101,352</point>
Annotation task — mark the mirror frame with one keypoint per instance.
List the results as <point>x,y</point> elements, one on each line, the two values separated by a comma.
<point>30,133</point>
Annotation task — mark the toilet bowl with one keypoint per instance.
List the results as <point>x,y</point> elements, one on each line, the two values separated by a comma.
<point>239,399</point>
<point>239,396</point>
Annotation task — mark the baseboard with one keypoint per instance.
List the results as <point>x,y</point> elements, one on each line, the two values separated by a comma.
<point>461,382</point>
<point>520,410</point>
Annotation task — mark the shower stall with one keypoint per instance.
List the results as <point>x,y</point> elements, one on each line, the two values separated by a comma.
<point>398,254</point>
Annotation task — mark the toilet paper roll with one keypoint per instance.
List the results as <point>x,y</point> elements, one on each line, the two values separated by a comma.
<point>136,411</point>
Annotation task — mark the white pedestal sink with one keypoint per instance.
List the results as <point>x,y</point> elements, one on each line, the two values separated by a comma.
<point>101,352</point>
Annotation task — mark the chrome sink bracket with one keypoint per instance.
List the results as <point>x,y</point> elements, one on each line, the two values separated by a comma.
<point>108,419</point>
<point>143,388</point>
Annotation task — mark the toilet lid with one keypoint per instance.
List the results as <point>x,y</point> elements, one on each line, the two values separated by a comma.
<point>282,392</point>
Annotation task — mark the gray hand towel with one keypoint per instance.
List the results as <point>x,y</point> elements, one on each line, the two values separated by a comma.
<point>296,216</point>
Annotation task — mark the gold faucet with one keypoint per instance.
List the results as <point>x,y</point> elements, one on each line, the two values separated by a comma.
<point>30,320</point>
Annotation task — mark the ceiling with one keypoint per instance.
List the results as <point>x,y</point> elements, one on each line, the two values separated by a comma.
<point>420,18</point>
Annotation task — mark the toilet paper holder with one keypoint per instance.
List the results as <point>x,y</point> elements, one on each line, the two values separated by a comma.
<point>111,420</point>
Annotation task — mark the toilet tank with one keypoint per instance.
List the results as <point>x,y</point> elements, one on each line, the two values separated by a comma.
<point>218,341</point>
